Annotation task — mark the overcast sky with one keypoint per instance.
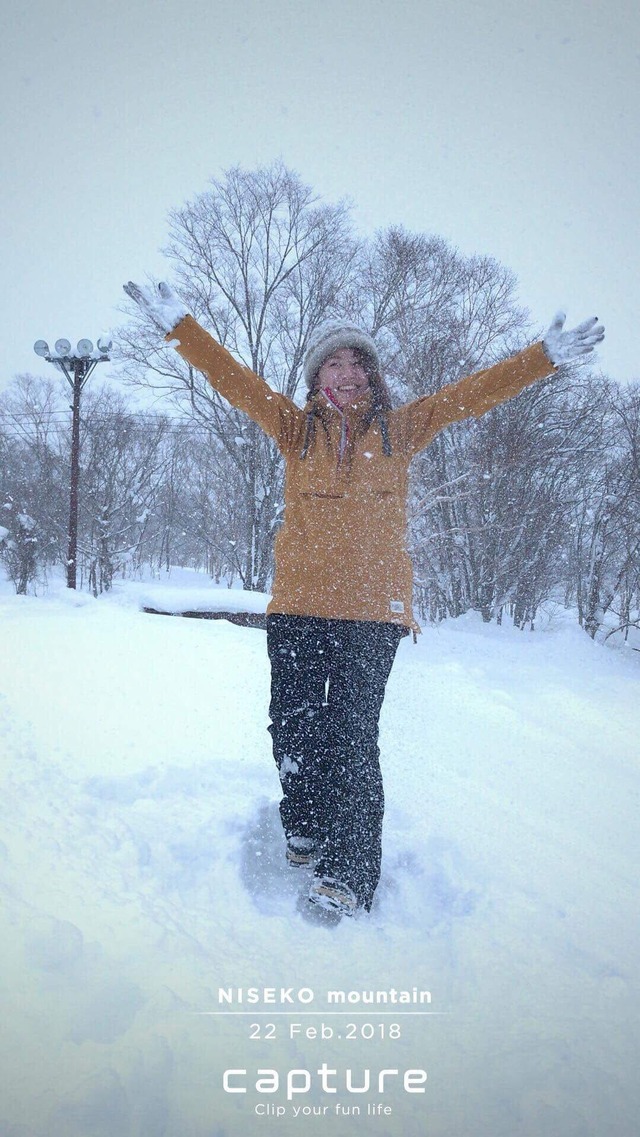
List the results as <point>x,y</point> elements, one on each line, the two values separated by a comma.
<point>512,130</point>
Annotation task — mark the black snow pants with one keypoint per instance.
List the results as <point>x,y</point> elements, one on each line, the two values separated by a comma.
<point>328,679</point>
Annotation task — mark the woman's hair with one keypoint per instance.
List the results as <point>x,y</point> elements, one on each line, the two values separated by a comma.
<point>380,397</point>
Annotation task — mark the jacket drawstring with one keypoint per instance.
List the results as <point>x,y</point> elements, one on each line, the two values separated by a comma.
<point>344,439</point>
<point>384,431</point>
<point>308,431</point>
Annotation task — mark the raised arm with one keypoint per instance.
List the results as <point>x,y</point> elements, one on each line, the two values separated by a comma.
<point>478,393</point>
<point>275,413</point>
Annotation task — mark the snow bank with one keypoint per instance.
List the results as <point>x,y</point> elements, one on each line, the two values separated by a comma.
<point>176,600</point>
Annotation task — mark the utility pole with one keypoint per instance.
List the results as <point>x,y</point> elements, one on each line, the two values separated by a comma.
<point>76,366</point>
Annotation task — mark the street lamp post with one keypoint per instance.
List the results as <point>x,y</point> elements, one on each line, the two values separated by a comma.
<point>76,366</point>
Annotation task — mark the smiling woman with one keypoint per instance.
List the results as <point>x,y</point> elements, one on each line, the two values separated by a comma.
<point>342,593</point>
<point>341,365</point>
<point>344,376</point>
<point>342,358</point>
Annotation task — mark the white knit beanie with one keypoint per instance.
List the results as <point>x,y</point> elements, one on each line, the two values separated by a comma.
<point>329,337</point>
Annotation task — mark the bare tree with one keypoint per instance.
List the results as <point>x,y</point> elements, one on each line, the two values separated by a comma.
<point>18,546</point>
<point>34,469</point>
<point>124,461</point>
<point>606,524</point>
<point>498,504</point>
<point>260,261</point>
<point>436,314</point>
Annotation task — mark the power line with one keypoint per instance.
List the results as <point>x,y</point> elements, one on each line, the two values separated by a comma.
<point>55,418</point>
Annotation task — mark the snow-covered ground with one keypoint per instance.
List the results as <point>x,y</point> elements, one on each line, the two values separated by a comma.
<point>142,869</point>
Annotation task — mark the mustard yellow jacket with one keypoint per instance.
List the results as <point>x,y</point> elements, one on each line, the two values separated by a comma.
<point>341,552</point>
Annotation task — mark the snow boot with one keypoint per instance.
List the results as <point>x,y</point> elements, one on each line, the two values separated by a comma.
<point>333,895</point>
<point>301,851</point>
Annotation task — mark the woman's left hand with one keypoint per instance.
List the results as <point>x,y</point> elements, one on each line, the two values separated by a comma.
<point>562,347</point>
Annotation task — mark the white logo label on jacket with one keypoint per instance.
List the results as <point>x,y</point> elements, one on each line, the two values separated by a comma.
<point>396,606</point>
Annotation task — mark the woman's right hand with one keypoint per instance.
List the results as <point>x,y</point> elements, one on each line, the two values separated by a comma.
<point>163,307</point>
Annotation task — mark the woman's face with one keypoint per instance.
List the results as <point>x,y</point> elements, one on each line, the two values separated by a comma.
<point>344,375</point>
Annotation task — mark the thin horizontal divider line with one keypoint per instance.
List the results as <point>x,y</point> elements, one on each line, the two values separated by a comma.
<point>352,1014</point>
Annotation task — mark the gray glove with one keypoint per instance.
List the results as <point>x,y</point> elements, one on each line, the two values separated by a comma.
<point>562,347</point>
<point>163,307</point>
